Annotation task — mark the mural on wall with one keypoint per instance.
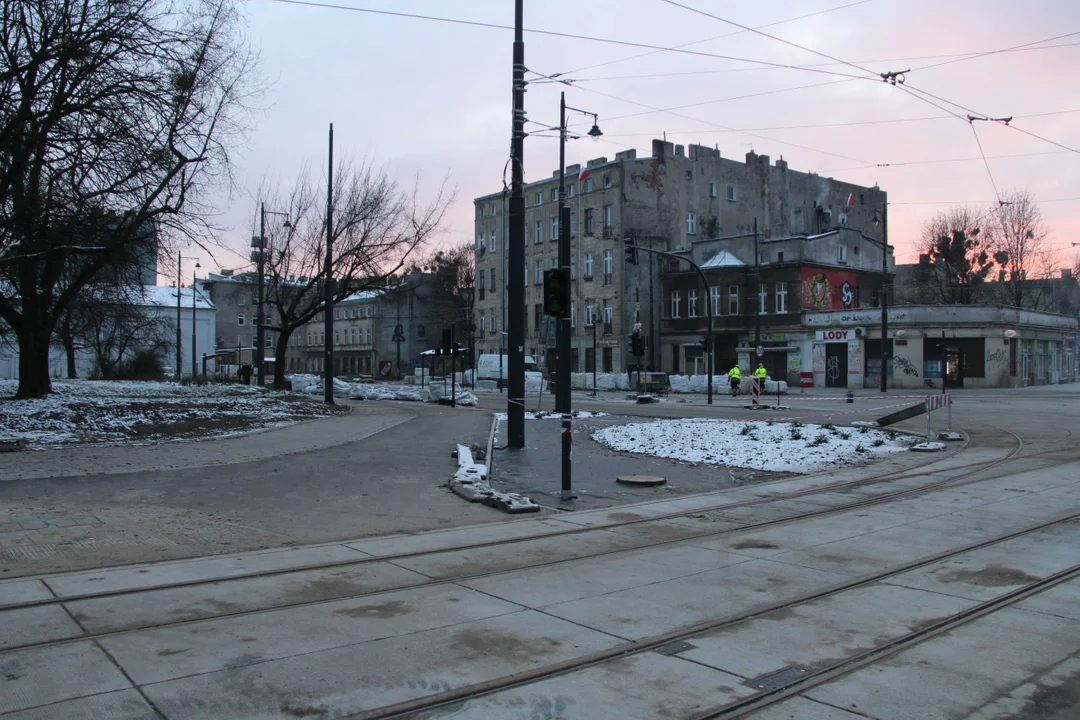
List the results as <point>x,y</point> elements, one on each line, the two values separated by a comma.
<point>818,358</point>
<point>794,362</point>
<point>828,289</point>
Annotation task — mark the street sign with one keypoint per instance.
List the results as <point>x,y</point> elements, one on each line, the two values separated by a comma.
<point>384,368</point>
<point>936,402</point>
<point>759,351</point>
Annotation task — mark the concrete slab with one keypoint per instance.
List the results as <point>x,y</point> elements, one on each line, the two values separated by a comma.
<point>1044,697</point>
<point>1031,507</point>
<point>201,569</point>
<point>203,601</point>
<point>991,571</point>
<point>641,687</point>
<point>20,591</point>
<point>937,679</point>
<point>118,705</point>
<point>442,539</point>
<point>771,511</point>
<point>800,708</point>
<point>661,607</point>
<point>804,534</point>
<point>23,626</point>
<point>208,646</point>
<point>41,676</point>
<point>499,558</point>
<point>818,633</point>
<point>677,528</point>
<point>545,586</point>
<point>1062,601</point>
<point>374,674</point>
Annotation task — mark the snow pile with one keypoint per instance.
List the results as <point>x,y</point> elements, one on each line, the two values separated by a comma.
<point>762,445</point>
<point>470,482</point>
<point>371,392</point>
<point>111,412</point>
<point>546,415</point>
<point>438,391</point>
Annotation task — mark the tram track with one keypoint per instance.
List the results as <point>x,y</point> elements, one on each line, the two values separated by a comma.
<point>69,601</point>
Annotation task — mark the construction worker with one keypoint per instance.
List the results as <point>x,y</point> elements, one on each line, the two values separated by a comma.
<point>735,377</point>
<point>761,374</point>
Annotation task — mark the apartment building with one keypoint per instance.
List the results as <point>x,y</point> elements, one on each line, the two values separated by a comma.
<point>664,202</point>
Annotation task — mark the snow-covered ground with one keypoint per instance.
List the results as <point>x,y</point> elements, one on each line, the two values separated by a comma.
<point>762,445</point>
<point>108,412</point>
<point>546,415</point>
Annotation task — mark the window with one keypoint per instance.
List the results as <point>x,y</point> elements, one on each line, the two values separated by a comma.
<point>539,198</point>
<point>493,210</point>
<point>714,299</point>
<point>539,277</point>
<point>554,194</point>
<point>781,297</point>
<point>491,282</point>
<point>841,254</point>
<point>731,193</point>
<point>573,314</point>
<point>588,221</point>
<point>268,340</point>
<point>573,268</point>
<point>691,303</point>
<point>367,336</point>
<point>538,315</point>
<point>539,232</point>
<point>570,190</point>
<point>554,228</point>
<point>491,242</point>
<point>356,336</point>
<point>590,314</point>
<point>241,299</point>
<point>480,210</point>
<point>763,258</point>
<point>480,286</point>
<point>554,263</point>
<point>691,224</point>
<point>780,256</point>
<point>588,184</point>
<point>240,319</point>
<point>607,217</point>
<point>573,224</point>
<point>712,188</point>
<point>483,322</point>
<point>607,314</point>
<point>763,298</point>
<point>588,266</point>
<point>675,303</point>
<point>526,273</point>
<point>733,300</point>
<point>480,241</point>
<point>607,181</point>
<point>689,174</point>
<point>607,267</point>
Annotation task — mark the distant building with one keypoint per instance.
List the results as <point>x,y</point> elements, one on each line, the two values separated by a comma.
<point>669,201</point>
<point>235,295</point>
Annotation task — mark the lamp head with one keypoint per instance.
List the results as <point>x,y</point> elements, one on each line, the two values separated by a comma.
<point>286,224</point>
<point>595,132</point>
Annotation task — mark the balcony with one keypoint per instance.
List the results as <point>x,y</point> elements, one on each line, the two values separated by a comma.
<point>607,278</point>
<point>608,232</point>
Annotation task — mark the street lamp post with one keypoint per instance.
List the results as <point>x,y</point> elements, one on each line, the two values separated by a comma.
<point>260,261</point>
<point>884,292</point>
<point>194,359</point>
<point>179,351</point>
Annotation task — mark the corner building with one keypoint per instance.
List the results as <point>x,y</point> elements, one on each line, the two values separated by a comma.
<point>668,201</point>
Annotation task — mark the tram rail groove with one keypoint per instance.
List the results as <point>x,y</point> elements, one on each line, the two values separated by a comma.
<point>477,690</point>
<point>433,582</point>
<point>859,482</point>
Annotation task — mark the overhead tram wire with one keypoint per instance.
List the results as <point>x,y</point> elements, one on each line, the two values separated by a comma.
<point>555,33</point>
<point>1014,48</point>
<point>986,164</point>
<point>717,37</point>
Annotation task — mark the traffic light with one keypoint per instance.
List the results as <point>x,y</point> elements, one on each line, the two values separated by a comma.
<point>557,293</point>
<point>631,254</point>
<point>704,343</point>
<point>637,345</point>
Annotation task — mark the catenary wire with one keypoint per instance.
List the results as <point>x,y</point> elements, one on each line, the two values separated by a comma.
<point>986,164</point>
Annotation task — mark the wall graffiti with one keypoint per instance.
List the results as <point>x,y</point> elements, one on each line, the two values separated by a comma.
<point>832,369</point>
<point>997,357</point>
<point>929,383</point>
<point>906,365</point>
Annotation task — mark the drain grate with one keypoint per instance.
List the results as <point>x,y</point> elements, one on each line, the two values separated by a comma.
<point>779,679</point>
<point>674,648</point>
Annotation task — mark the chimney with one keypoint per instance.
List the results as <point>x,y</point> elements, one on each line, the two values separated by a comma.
<point>678,151</point>
<point>1066,274</point>
<point>630,154</point>
<point>781,164</point>
<point>764,160</point>
<point>751,157</point>
<point>661,149</point>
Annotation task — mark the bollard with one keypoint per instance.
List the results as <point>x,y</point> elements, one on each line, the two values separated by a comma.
<point>850,396</point>
<point>757,391</point>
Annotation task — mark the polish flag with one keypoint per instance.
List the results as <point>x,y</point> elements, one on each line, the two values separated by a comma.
<point>582,175</point>
<point>851,199</point>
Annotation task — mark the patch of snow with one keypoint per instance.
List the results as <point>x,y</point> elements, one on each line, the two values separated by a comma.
<point>551,415</point>
<point>755,444</point>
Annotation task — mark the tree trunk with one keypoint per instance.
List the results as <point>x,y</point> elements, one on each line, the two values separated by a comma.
<point>66,338</point>
<point>33,365</point>
<point>279,359</point>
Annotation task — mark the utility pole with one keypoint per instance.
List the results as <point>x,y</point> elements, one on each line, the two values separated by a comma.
<point>179,356</point>
<point>885,296</point>
<point>757,291</point>
<point>194,359</point>
<point>328,285</point>
<point>515,322</point>
<point>260,353</point>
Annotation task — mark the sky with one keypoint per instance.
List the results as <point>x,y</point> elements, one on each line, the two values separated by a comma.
<point>431,101</point>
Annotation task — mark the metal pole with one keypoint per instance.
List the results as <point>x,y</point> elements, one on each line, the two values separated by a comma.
<point>885,298</point>
<point>515,323</point>
<point>757,291</point>
<point>179,356</point>
<point>328,271</point>
<point>595,387</point>
<point>194,357</point>
<point>453,369</point>
<point>261,265</point>
<point>562,329</point>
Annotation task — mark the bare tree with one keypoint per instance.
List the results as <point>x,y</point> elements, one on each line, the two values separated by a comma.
<point>954,259</point>
<point>109,322</point>
<point>453,280</point>
<point>1018,230</point>
<point>115,116</point>
<point>378,228</point>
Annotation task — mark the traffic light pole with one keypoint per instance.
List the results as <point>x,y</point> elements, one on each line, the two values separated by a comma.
<point>708,305</point>
<point>562,329</point>
<point>515,320</point>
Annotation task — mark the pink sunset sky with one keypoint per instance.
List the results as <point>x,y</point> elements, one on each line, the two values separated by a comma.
<point>433,98</point>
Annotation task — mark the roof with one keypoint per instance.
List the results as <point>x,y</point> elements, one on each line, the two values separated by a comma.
<point>165,296</point>
<point>722,259</point>
<point>362,296</point>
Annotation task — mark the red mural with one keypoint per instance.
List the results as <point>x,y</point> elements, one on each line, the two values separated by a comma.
<point>828,289</point>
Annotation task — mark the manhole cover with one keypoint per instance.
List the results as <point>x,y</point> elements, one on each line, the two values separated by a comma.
<point>641,480</point>
<point>778,679</point>
<point>674,648</point>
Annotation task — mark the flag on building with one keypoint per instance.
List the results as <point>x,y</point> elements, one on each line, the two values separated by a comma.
<point>582,175</point>
<point>851,199</point>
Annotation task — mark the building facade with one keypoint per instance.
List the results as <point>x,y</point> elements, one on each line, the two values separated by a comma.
<point>235,295</point>
<point>664,202</point>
